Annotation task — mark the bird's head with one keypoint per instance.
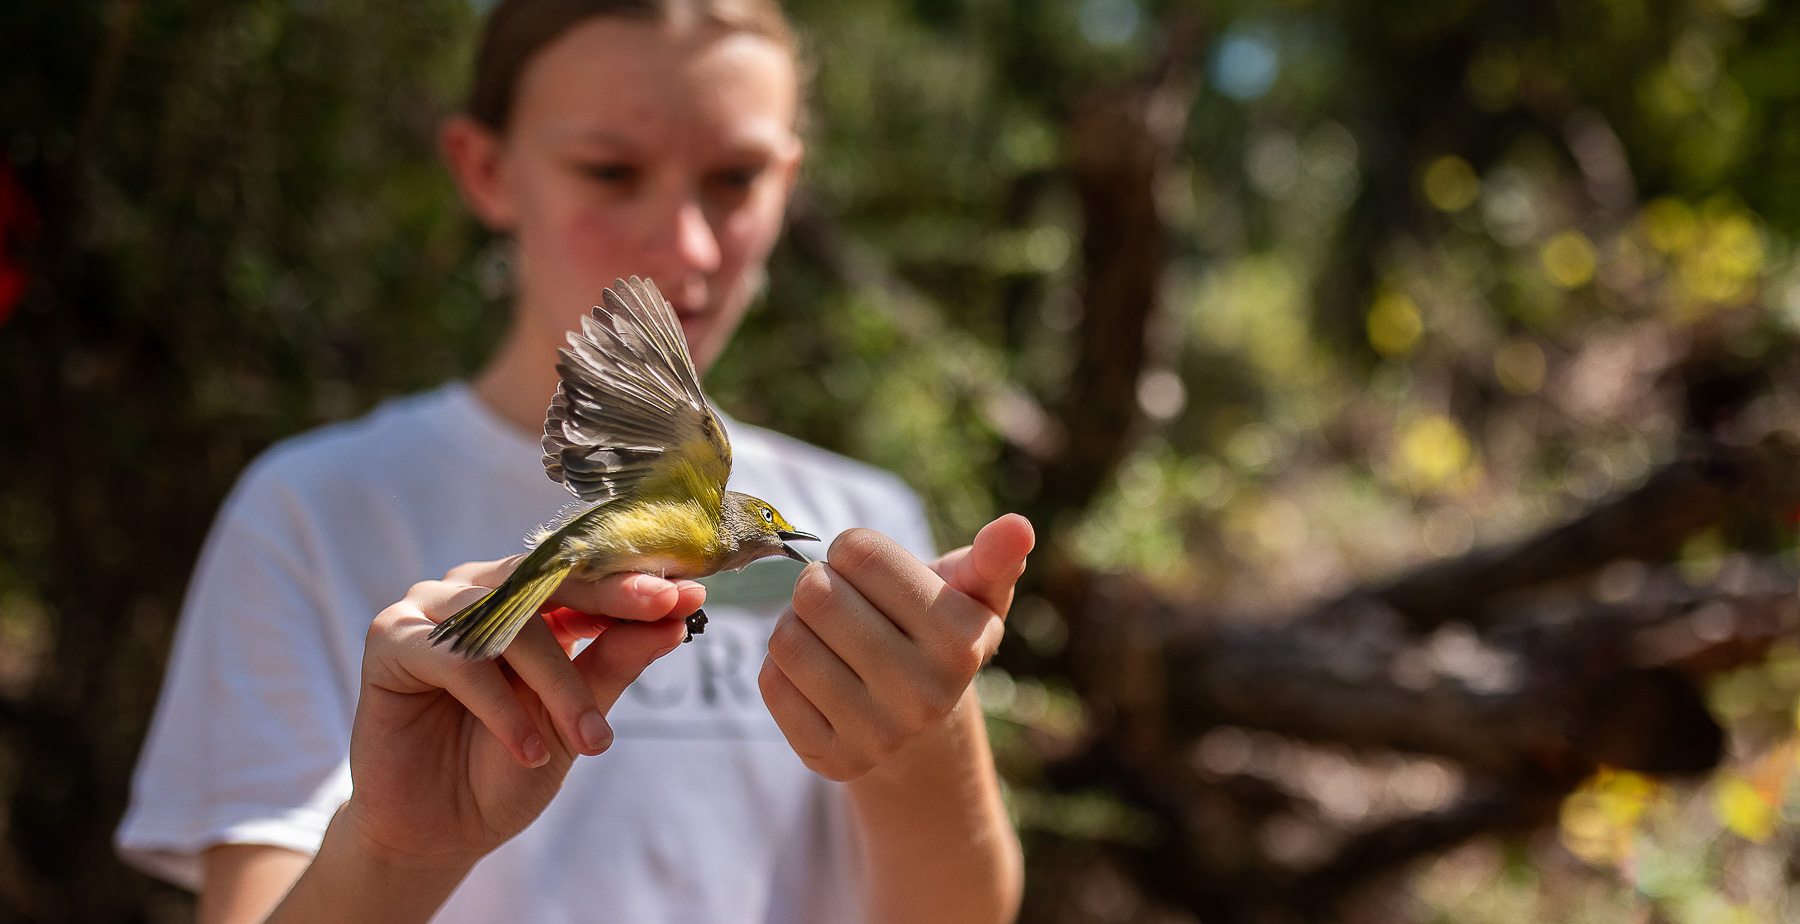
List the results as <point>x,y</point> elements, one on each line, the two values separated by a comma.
<point>759,530</point>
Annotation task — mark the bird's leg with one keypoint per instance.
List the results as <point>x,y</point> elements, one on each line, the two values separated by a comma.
<point>696,624</point>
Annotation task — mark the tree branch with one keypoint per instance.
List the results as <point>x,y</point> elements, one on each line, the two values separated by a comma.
<point>1648,523</point>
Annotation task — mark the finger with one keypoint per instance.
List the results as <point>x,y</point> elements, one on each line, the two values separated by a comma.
<point>631,595</point>
<point>483,689</point>
<point>858,633</point>
<point>987,569</point>
<point>693,594</point>
<point>817,672</point>
<point>399,659</point>
<point>807,730</point>
<point>621,653</point>
<point>907,591</point>
<point>570,626</point>
<point>436,601</point>
<point>487,574</point>
<point>543,664</point>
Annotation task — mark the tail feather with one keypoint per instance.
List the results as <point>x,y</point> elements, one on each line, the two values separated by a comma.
<point>484,628</point>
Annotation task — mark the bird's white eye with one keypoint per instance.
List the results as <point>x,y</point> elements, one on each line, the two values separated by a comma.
<point>768,516</point>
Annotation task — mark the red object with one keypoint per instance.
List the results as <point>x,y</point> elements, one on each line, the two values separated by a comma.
<point>18,220</point>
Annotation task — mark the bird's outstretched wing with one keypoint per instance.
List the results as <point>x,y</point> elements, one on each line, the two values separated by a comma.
<point>629,415</point>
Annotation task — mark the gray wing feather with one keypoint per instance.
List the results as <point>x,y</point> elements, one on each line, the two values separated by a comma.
<point>629,394</point>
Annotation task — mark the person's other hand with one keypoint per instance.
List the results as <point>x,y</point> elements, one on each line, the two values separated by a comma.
<point>449,757</point>
<point>878,647</point>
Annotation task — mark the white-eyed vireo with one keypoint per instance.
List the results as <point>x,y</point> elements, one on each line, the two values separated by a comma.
<point>629,432</point>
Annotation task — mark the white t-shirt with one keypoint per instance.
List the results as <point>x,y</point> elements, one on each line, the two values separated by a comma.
<point>700,811</point>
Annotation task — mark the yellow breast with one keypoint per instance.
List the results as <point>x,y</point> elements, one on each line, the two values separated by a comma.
<point>671,538</point>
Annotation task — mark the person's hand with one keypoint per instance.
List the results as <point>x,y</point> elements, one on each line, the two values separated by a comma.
<point>878,647</point>
<point>449,757</point>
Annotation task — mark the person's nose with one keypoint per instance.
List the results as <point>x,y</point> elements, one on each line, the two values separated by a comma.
<point>683,243</point>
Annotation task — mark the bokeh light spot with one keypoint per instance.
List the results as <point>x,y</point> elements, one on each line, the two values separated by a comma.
<point>1161,394</point>
<point>1519,367</point>
<point>1669,225</point>
<point>1450,184</point>
<point>1433,452</point>
<point>1569,259</point>
<point>1245,64</point>
<point>1394,325</point>
<point>1109,22</point>
<point>1743,810</point>
<point>1599,818</point>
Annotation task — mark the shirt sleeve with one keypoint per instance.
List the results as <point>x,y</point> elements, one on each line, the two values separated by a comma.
<point>250,739</point>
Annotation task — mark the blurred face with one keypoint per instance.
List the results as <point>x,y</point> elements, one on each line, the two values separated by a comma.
<point>643,149</point>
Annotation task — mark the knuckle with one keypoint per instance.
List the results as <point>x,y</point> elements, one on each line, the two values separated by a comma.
<point>787,641</point>
<point>969,660</point>
<point>391,623</point>
<point>768,680</point>
<point>381,626</point>
<point>813,590</point>
<point>961,657</point>
<point>463,573</point>
<point>854,548</point>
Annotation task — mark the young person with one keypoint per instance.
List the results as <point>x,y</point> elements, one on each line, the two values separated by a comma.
<point>819,758</point>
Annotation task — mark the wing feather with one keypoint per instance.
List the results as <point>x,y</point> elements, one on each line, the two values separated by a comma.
<point>629,415</point>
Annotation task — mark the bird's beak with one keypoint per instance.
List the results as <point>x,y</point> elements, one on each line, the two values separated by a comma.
<point>790,551</point>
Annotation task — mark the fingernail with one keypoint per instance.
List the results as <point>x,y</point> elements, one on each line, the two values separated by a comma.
<point>595,733</point>
<point>536,755</point>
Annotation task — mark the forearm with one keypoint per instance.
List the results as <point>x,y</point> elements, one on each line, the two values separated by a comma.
<point>936,837</point>
<point>353,880</point>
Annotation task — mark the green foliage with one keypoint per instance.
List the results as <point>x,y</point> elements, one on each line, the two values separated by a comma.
<point>1437,269</point>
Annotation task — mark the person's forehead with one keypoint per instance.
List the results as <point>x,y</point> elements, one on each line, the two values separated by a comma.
<point>617,80</point>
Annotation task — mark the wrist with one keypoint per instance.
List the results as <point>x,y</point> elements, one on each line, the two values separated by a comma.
<point>361,838</point>
<point>934,829</point>
<point>356,877</point>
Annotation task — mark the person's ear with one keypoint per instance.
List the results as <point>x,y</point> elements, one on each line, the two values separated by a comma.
<point>473,152</point>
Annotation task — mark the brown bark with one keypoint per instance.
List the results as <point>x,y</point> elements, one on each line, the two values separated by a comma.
<point>1649,523</point>
<point>1121,142</point>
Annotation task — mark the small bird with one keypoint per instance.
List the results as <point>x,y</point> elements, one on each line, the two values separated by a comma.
<point>630,433</point>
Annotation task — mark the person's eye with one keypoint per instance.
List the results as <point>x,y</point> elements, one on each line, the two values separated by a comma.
<point>612,173</point>
<point>734,181</point>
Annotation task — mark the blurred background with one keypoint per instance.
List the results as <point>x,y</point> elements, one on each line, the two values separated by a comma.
<point>1406,394</point>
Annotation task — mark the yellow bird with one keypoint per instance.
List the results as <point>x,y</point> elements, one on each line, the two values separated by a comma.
<point>629,432</point>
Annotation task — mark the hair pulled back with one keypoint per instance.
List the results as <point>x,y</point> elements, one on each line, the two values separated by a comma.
<point>518,29</point>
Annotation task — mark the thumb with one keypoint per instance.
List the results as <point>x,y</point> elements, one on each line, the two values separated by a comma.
<point>987,568</point>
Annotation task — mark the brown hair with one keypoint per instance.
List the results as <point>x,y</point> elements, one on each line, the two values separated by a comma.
<point>518,29</point>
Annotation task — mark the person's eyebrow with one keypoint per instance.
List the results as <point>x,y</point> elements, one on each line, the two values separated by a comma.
<point>759,142</point>
<point>598,136</point>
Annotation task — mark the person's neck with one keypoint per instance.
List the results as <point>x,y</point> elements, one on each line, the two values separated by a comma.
<point>519,380</point>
